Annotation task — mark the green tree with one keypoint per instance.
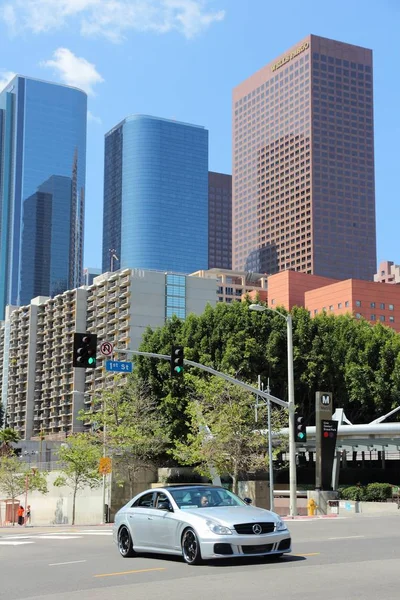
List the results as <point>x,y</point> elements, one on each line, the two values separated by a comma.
<point>222,431</point>
<point>133,429</point>
<point>7,437</point>
<point>16,477</point>
<point>357,361</point>
<point>79,460</point>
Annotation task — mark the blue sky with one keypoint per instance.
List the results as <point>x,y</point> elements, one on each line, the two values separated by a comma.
<point>180,59</point>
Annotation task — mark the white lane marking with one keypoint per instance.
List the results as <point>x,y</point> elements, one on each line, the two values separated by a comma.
<point>347,537</point>
<point>71,562</point>
<point>17,537</point>
<point>9,543</point>
<point>58,537</point>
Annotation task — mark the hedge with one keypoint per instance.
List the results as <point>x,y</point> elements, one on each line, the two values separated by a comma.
<point>373,492</point>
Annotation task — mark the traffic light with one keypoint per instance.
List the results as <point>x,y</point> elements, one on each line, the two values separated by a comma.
<point>300,433</point>
<point>176,361</point>
<point>85,350</point>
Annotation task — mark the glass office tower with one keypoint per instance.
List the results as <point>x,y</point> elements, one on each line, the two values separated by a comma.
<point>42,183</point>
<point>156,196</point>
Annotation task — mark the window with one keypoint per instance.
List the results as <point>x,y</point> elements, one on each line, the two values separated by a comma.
<point>145,501</point>
<point>315,311</point>
<point>391,307</point>
<point>339,305</point>
<point>391,319</point>
<point>161,497</point>
<point>358,302</point>
<point>373,317</point>
<point>372,305</point>
<point>382,306</point>
<point>347,304</point>
<point>331,307</point>
<point>273,301</point>
<point>358,315</point>
<point>382,317</point>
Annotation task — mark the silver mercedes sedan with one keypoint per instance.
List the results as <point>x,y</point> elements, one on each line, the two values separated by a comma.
<point>199,522</point>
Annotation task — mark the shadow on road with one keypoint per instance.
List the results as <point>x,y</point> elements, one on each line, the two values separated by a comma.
<point>230,562</point>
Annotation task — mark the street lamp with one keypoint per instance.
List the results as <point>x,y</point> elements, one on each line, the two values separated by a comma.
<point>291,407</point>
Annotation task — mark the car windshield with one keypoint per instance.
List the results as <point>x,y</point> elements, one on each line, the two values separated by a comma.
<point>203,497</point>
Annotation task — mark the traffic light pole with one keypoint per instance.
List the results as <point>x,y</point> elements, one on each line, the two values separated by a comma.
<point>191,363</point>
<point>291,407</point>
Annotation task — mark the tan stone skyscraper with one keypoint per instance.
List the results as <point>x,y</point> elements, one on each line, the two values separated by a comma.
<point>303,163</point>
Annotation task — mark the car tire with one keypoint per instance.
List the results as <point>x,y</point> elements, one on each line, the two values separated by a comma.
<point>190,547</point>
<point>125,545</point>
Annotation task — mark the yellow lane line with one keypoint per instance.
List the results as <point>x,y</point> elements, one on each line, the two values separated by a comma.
<point>309,554</point>
<point>129,572</point>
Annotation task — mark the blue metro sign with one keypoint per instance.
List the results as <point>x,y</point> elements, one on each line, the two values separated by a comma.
<point>119,366</point>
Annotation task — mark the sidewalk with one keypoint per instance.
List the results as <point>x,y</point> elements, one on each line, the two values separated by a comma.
<point>37,529</point>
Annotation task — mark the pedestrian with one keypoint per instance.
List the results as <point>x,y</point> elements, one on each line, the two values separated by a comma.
<point>20,515</point>
<point>28,514</point>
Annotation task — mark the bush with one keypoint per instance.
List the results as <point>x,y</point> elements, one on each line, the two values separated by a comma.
<point>378,492</point>
<point>352,492</point>
<point>373,492</point>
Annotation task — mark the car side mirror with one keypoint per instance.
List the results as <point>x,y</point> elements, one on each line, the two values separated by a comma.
<point>164,506</point>
<point>248,500</point>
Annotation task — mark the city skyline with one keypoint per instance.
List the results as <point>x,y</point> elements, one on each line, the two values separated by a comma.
<point>208,39</point>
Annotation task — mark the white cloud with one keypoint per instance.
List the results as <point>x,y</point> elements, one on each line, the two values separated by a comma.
<point>74,70</point>
<point>5,78</point>
<point>111,19</point>
<point>93,119</point>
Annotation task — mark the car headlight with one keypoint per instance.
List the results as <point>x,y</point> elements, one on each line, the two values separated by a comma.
<point>280,526</point>
<point>218,529</point>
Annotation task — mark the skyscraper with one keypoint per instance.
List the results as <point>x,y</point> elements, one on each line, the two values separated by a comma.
<point>303,163</point>
<point>219,220</point>
<point>155,195</point>
<point>42,183</point>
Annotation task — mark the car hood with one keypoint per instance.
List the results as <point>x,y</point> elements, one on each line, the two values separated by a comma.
<point>233,515</point>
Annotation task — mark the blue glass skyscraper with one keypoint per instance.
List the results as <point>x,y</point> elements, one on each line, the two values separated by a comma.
<point>42,183</point>
<point>156,196</point>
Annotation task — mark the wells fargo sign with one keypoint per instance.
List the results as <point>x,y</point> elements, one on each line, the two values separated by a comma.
<point>290,56</point>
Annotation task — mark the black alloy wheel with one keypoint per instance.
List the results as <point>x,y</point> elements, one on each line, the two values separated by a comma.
<point>191,548</point>
<point>125,545</point>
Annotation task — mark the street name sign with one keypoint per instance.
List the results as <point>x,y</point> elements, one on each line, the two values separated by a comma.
<point>119,366</point>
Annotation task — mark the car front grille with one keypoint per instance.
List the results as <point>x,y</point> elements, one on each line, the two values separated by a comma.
<point>264,549</point>
<point>247,528</point>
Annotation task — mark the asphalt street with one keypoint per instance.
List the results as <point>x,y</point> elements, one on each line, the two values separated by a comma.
<point>352,558</point>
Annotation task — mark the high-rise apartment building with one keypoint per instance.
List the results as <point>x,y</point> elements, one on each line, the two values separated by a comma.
<point>219,220</point>
<point>155,195</point>
<point>303,163</point>
<point>42,183</point>
<point>41,392</point>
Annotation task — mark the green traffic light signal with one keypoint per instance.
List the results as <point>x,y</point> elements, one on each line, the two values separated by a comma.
<point>177,353</point>
<point>91,361</point>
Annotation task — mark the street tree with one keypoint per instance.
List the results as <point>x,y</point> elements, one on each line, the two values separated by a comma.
<point>223,434</point>
<point>7,437</point>
<point>16,478</point>
<point>132,427</point>
<point>79,459</point>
